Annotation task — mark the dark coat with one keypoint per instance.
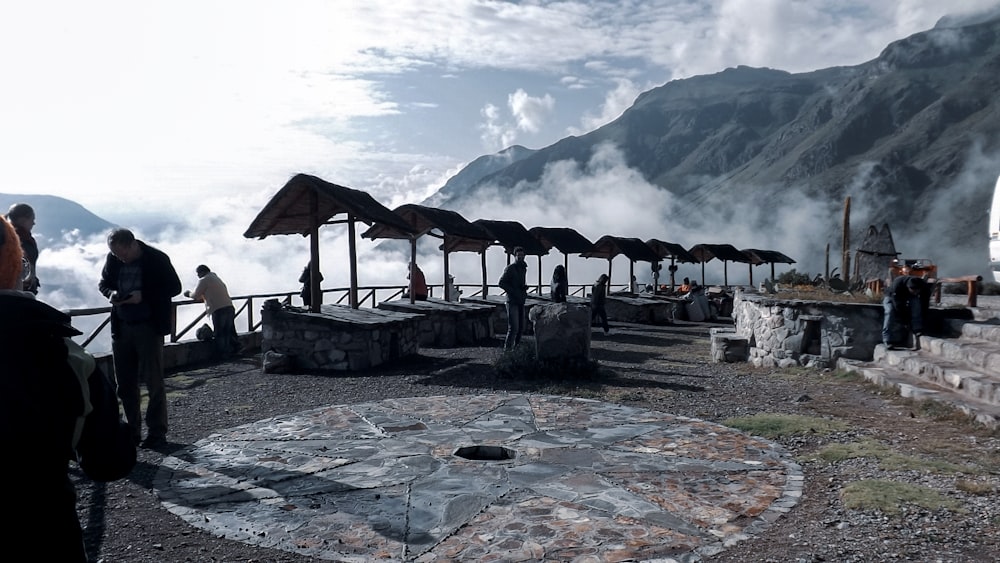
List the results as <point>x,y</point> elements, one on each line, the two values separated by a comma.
<point>159,284</point>
<point>40,400</point>
<point>512,281</point>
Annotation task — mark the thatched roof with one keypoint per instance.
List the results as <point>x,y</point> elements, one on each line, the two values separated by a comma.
<point>610,246</point>
<point>564,239</point>
<point>292,210</point>
<point>724,252</point>
<point>458,233</point>
<point>670,250</point>
<point>766,256</point>
<point>511,234</point>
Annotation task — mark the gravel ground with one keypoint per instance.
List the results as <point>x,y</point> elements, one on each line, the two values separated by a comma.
<point>663,368</point>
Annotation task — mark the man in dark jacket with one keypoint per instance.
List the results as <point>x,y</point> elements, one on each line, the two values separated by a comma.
<point>41,404</point>
<point>512,281</point>
<point>140,281</point>
<point>903,303</point>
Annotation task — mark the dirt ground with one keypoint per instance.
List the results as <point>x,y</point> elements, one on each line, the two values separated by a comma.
<point>665,368</point>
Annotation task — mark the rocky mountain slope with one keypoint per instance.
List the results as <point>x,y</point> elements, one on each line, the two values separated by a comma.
<point>913,137</point>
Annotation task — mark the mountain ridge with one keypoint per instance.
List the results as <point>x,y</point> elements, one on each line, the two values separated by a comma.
<point>912,136</point>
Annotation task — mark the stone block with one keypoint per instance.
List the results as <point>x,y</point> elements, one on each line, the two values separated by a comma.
<point>562,332</point>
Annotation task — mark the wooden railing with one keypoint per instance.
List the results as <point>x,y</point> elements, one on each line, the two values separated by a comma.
<point>247,306</point>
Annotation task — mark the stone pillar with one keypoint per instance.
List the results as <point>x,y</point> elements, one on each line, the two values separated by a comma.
<point>562,332</point>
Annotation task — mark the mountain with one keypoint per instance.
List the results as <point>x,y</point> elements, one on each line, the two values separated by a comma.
<point>913,137</point>
<point>477,170</point>
<point>57,219</point>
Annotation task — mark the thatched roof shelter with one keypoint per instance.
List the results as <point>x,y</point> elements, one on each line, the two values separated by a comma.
<point>725,252</point>
<point>758,257</point>
<point>673,252</point>
<point>456,232</point>
<point>304,204</point>
<point>563,239</point>
<point>511,234</point>
<point>634,249</point>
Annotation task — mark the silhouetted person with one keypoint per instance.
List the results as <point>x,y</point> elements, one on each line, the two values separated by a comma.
<point>598,297</point>
<point>22,216</point>
<point>903,303</point>
<point>418,283</point>
<point>306,280</point>
<point>41,404</point>
<point>513,283</point>
<point>559,288</point>
<point>139,281</point>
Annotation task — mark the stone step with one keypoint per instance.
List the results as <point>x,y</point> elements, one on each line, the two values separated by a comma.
<point>989,332</point>
<point>954,375</point>
<point>977,353</point>
<point>913,387</point>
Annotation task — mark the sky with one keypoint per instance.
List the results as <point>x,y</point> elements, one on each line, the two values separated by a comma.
<point>201,111</point>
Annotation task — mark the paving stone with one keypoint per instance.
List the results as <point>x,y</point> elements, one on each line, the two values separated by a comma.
<point>586,481</point>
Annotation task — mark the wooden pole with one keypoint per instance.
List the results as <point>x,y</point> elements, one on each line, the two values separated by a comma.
<point>539,275</point>
<point>845,264</point>
<point>486,283</point>
<point>413,265</point>
<point>314,290</point>
<point>352,248</point>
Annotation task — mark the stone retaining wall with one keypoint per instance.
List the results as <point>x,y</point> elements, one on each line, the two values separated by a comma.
<point>363,339</point>
<point>810,333</point>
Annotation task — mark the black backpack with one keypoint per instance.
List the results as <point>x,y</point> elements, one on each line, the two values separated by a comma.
<point>106,451</point>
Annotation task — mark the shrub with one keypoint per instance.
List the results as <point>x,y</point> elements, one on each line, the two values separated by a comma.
<point>521,363</point>
<point>792,277</point>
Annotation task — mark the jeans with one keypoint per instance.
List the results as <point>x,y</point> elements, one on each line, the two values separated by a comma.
<point>224,323</point>
<point>138,357</point>
<point>892,315</point>
<point>515,325</point>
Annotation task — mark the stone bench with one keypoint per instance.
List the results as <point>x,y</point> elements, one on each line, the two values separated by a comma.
<point>728,346</point>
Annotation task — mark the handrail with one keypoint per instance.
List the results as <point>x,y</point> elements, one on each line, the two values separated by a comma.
<point>245,305</point>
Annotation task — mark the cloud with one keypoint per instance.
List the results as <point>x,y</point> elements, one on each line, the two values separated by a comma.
<point>529,112</point>
<point>616,101</point>
<point>527,115</point>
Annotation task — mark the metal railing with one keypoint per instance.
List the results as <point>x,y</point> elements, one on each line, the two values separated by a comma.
<point>247,305</point>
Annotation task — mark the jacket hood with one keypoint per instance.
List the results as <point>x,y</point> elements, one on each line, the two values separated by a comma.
<point>23,312</point>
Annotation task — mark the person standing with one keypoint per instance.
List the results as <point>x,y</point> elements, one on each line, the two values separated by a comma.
<point>559,287</point>
<point>139,281</point>
<point>41,406</point>
<point>903,303</point>
<point>213,291</point>
<point>512,281</point>
<point>306,280</point>
<point>22,216</point>
<point>417,284</point>
<point>598,296</point>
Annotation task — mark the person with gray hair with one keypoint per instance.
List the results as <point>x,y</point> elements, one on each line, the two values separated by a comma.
<point>139,281</point>
<point>22,216</point>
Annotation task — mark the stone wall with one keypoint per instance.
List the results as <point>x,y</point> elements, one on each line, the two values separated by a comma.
<point>641,310</point>
<point>339,338</point>
<point>446,324</point>
<point>810,333</point>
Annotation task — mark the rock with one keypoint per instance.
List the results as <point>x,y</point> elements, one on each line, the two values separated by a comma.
<point>562,332</point>
<point>276,362</point>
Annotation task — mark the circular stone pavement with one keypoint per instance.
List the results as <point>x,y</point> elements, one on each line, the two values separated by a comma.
<point>484,478</point>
